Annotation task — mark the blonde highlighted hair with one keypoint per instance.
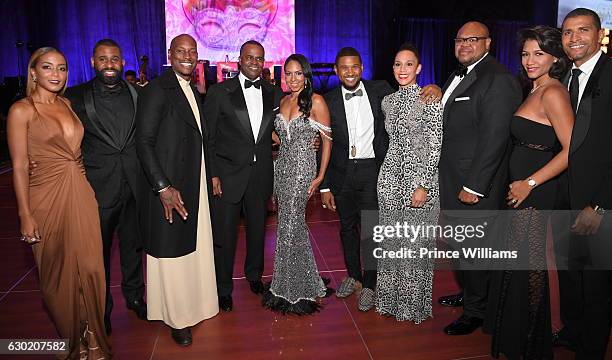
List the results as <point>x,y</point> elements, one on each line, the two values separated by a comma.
<point>31,86</point>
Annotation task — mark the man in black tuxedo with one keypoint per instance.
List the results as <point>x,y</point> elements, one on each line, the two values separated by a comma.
<point>360,146</point>
<point>106,105</point>
<point>240,114</point>
<point>479,101</point>
<point>590,177</point>
<point>170,139</point>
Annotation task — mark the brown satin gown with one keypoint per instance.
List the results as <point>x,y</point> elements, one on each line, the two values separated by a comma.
<point>69,257</point>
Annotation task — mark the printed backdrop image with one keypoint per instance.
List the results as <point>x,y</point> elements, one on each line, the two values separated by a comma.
<point>221,26</point>
<point>603,8</point>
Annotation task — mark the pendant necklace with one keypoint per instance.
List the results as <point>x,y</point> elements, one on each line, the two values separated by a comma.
<point>354,130</point>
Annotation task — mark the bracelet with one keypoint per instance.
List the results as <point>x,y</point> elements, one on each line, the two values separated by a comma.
<point>164,189</point>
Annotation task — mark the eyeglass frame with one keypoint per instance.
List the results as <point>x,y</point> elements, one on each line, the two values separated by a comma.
<point>461,41</point>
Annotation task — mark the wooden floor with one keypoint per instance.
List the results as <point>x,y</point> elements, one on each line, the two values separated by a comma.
<point>339,331</point>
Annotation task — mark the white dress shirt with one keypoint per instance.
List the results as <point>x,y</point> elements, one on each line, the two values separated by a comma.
<point>453,85</point>
<point>254,103</point>
<point>587,69</point>
<point>456,80</point>
<point>360,123</point>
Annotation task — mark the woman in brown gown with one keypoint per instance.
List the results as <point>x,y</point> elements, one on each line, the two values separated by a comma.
<point>57,208</point>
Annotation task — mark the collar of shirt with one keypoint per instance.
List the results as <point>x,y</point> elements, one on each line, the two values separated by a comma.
<point>184,83</point>
<point>346,91</point>
<point>469,68</point>
<point>242,79</point>
<point>589,65</point>
<point>105,90</point>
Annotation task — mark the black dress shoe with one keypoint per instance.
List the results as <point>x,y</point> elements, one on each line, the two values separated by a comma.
<point>329,292</point>
<point>451,300</point>
<point>107,325</point>
<point>182,336</point>
<point>257,287</point>
<point>225,303</point>
<point>463,326</point>
<point>139,307</point>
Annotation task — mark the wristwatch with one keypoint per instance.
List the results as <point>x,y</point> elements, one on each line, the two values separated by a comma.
<point>532,182</point>
<point>599,210</point>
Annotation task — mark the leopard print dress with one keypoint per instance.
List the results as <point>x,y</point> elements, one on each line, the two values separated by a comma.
<point>404,285</point>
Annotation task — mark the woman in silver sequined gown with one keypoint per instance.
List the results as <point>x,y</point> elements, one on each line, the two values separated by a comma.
<point>408,192</point>
<point>296,283</point>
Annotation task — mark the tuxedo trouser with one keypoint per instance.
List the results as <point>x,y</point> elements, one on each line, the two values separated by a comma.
<point>123,218</point>
<point>569,273</point>
<point>569,268</point>
<point>471,273</point>
<point>358,193</point>
<point>595,325</point>
<point>596,293</point>
<point>225,233</point>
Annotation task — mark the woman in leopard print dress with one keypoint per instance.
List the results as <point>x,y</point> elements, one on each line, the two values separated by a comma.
<point>408,192</point>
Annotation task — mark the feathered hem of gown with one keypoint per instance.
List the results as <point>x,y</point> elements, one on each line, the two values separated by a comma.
<point>285,307</point>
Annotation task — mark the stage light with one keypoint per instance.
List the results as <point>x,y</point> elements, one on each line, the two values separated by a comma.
<point>605,42</point>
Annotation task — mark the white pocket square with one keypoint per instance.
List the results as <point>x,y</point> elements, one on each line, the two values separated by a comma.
<point>465,98</point>
<point>276,108</point>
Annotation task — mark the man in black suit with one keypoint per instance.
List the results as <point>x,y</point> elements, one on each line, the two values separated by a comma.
<point>360,145</point>
<point>106,105</point>
<point>240,114</point>
<point>479,101</point>
<point>170,139</point>
<point>590,176</point>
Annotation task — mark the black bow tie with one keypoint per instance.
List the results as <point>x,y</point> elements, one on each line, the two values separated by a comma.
<point>349,96</point>
<point>248,83</point>
<point>461,70</point>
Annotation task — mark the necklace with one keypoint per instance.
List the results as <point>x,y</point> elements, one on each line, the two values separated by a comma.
<point>537,87</point>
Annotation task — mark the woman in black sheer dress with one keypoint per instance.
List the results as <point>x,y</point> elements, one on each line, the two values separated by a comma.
<point>518,315</point>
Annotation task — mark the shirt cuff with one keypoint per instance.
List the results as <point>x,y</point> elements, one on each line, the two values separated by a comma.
<point>324,190</point>
<point>472,191</point>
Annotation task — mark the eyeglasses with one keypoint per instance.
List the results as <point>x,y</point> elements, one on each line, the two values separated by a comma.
<point>469,40</point>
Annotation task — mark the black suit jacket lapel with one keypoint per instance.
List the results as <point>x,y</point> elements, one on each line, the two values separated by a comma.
<point>583,115</point>
<point>339,112</point>
<point>467,81</point>
<point>94,119</point>
<point>198,98</point>
<point>178,99</point>
<point>268,102</point>
<point>374,100</point>
<point>240,109</point>
<point>134,96</point>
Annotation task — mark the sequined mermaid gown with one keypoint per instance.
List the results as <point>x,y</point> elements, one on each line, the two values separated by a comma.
<point>296,283</point>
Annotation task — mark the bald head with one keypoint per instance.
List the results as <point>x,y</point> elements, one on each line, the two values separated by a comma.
<point>182,38</point>
<point>472,42</point>
<point>474,27</point>
<point>183,55</point>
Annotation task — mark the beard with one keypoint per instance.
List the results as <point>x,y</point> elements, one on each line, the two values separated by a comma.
<point>109,80</point>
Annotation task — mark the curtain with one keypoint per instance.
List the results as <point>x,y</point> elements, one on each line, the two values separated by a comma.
<point>323,27</point>
<point>74,26</point>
